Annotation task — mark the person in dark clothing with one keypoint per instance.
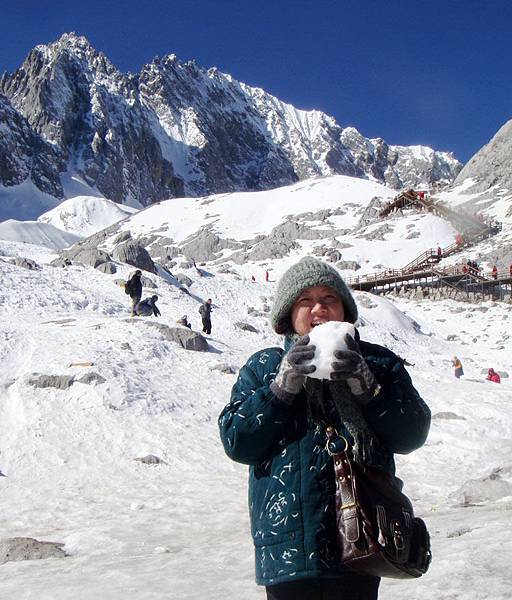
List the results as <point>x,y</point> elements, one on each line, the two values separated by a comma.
<point>276,423</point>
<point>205,312</point>
<point>133,287</point>
<point>147,307</point>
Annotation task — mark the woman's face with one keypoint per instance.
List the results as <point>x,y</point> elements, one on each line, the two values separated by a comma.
<point>314,306</point>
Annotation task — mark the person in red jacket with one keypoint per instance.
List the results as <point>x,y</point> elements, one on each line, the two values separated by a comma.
<point>495,272</point>
<point>493,376</point>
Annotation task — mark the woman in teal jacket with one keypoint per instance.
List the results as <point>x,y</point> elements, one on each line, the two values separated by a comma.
<point>276,421</point>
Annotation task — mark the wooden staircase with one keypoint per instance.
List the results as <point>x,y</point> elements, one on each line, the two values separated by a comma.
<point>469,226</point>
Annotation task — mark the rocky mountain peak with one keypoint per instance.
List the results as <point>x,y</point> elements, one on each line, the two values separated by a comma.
<point>490,166</point>
<point>179,129</point>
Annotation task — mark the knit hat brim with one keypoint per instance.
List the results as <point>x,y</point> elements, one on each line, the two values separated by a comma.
<point>308,272</point>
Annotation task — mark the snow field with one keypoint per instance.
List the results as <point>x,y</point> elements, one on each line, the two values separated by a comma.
<point>180,530</point>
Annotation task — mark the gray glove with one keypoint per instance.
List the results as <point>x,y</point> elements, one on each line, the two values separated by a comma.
<point>351,367</point>
<point>292,372</point>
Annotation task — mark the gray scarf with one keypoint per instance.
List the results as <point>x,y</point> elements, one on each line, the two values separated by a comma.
<point>321,394</point>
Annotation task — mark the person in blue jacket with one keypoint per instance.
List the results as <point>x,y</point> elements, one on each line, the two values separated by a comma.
<point>276,423</point>
<point>147,307</point>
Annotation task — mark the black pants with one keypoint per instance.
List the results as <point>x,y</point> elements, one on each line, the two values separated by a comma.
<point>349,587</point>
<point>207,326</point>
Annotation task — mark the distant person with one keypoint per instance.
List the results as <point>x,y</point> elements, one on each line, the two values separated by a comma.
<point>147,307</point>
<point>457,366</point>
<point>439,252</point>
<point>184,322</point>
<point>458,239</point>
<point>133,287</point>
<point>493,376</point>
<point>494,272</point>
<point>267,276</point>
<point>510,270</point>
<point>205,312</point>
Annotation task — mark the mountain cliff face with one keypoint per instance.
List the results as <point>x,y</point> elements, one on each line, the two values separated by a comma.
<point>176,129</point>
<point>24,154</point>
<point>490,166</point>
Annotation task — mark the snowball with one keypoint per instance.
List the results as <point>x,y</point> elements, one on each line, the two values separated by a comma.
<point>328,338</point>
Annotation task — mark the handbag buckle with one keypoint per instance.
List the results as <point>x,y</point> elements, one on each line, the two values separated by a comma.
<point>398,538</point>
<point>333,437</point>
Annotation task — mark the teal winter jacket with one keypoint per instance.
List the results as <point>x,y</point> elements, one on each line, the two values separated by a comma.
<point>291,480</point>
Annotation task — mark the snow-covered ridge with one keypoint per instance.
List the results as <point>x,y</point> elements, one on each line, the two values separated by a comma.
<point>85,215</point>
<point>178,129</point>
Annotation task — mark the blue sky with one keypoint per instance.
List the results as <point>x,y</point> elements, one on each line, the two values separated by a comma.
<point>413,72</point>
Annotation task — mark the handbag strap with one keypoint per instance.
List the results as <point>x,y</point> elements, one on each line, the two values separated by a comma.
<point>346,507</point>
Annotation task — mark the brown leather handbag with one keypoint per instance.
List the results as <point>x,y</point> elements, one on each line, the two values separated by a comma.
<point>377,531</point>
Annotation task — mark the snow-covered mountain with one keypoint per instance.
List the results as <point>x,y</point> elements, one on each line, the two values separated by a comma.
<point>489,168</point>
<point>121,391</point>
<point>85,215</point>
<point>176,129</point>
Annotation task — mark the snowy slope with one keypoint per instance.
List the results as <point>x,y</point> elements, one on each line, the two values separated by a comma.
<point>180,530</point>
<point>24,202</point>
<point>33,232</point>
<point>85,215</point>
<point>259,231</point>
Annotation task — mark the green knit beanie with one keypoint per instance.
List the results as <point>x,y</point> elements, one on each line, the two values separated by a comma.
<point>308,272</point>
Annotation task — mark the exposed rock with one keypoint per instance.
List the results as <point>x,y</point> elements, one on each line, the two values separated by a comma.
<point>186,264</point>
<point>26,548</point>
<point>26,155</point>
<point>206,245</point>
<point>377,233</point>
<point>151,459</point>
<point>91,256</point>
<point>61,261</point>
<point>91,377</point>
<point>147,282</point>
<point>184,279</point>
<point>186,338</point>
<point>348,265</point>
<point>371,212</point>
<point>68,107</point>
<point>107,267</point>
<point>245,326</point>
<point>366,301</point>
<point>134,254</point>
<point>255,312</point>
<point>490,166</point>
<point>61,382</point>
<point>26,263</point>
<point>448,416</point>
<point>124,236</point>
